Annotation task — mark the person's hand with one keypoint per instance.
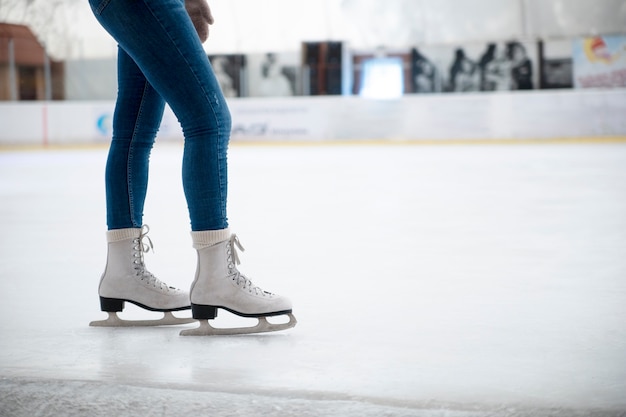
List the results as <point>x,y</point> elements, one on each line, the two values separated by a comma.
<point>200,14</point>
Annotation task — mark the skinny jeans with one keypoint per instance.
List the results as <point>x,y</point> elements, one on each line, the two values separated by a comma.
<point>161,59</point>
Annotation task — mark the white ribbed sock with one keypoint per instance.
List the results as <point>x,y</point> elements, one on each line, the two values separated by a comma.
<point>206,238</point>
<point>116,235</point>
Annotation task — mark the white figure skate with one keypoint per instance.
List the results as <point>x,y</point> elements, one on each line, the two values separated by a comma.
<point>126,279</point>
<point>218,284</point>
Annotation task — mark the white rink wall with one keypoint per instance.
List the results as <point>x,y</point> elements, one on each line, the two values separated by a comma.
<point>480,116</point>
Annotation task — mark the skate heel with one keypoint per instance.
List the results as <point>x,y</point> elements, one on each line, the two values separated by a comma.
<point>202,312</point>
<point>111,304</point>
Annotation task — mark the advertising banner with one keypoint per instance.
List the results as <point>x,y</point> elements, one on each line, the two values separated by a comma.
<point>279,119</point>
<point>600,62</point>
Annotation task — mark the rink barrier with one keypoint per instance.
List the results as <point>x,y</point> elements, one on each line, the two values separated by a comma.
<point>556,115</point>
<point>339,143</point>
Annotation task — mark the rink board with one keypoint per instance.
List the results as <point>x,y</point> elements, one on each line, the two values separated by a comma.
<point>535,115</point>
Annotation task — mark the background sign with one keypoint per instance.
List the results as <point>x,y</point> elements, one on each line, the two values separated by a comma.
<point>600,61</point>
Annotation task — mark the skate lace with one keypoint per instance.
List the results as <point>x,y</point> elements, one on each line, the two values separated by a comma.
<point>233,260</point>
<point>141,245</point>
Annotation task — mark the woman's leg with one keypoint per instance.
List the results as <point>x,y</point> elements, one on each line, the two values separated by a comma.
<point>138,114</point>
<point>160,38</point>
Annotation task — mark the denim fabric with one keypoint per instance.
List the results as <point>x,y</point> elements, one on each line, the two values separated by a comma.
<point>161,60</point>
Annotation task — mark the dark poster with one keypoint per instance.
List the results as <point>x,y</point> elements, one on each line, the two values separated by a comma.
<point>466,68</point>
<point>229,70</point>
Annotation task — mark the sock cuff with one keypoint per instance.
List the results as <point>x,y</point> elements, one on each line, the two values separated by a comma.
<point>206,238</point>
<point>116,235</point>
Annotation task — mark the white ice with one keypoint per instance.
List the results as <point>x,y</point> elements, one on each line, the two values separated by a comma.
<point>461,280</point>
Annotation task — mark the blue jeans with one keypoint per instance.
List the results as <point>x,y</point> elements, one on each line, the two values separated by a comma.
<point>161,60</point>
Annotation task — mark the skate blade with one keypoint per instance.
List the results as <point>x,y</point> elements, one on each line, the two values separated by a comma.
<point>263,326</point>
<point>168,319</point>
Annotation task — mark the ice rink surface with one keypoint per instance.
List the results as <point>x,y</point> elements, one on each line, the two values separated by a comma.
<point>464,280</point>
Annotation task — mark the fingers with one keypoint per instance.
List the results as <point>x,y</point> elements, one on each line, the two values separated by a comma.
<point>201,17</point>
<point>203,32</point>
<point>206,13</point>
